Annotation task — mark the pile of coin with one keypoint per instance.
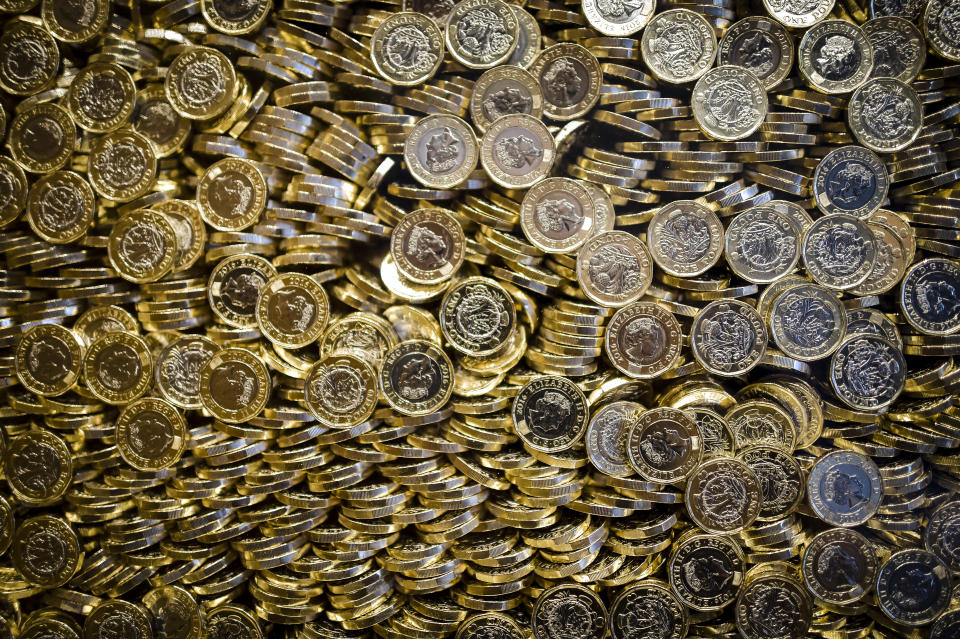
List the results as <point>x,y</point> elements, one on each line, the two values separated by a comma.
<point>610,318</point>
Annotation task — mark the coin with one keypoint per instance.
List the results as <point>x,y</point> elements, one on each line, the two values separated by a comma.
<point>938,28</point>
<point>899,49</point>
<point>715,433</point>
<point>416,377</point>
<point>839,251</point>
<point>489,624</point>
<point>441,151</point>
<point>678,46</point>
<point>761,46</point>
<point>550,414</point>
<point>773,605</point>
<point>799,15</point>
<point>930,296</point>
<point>618,19</point>
<point>61,207</point>
<point>760,422</point>
<point>178,366</point>
<point>685,238</point>
<point>614,268</point>
<point>231,194</point>
<point>175,613</point>
<point>39,467</point>
<point>781,480</point>
<point>45,551</point>
<point>890,265</point>
<point>706,571</point>
<point>557,215</point>
<point>234,288</point>
<point>569,77</point>
<point>73,24</point>
<point>364,333</point>
<point>728,337</point>
<point>885,115</point>
<point>232,621</point>
<point>29,58</point>
<point>122,165</point>
<point>947,625</point>
<point>154,118</point>
<point>292,310</point>
<point>493,19</point>
<point>528,38</point>
<point>603,207</point>
<point>723,496</point>
<point>844,488</point>
<point>101,320</point>
<point>663,445</point>
<point>477,316</point>
<point>568,609</point>
<point>872,322</point>
<point>118,367</point>
<point>13,191</point>
<point>201,83</point>
<point>517,151</point>
<point>42,138</point>
<point>762,244</point>
<point>913,587</point>
<point>234,385</point>
<point>942,532</point>
<point>835,56</point>
<point>729,103</point>
<point>839,566</point>
<point>850,180</point>
<point>151,434</point>
<point>184,217</point>
<point>428,246</point>
<point>141,246</point>
<point>606,437</point>
<point>48,359</point>
<point>407,48</point>
<point>101,97</point>
<point>227,17</point>
<point>341,389</point>
<point>867,372</point>
<point>807,322</point>
<point>643,340</point>
<point>504,90</point>
<point>117,613</point>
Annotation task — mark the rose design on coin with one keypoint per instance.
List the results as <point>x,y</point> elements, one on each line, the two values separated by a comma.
<point>483,33</point>
<point>342,387</point>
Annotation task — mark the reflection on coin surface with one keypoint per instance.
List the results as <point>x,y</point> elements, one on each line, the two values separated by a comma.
<point>685,238</point>
<point>930,296</point>
<point>235,18</point>
<point>614,268</point>
<point>885,115</point>
<point>569,610</point>
<point>234,385</point>
<point>232,194</point>
<point>122,165</point>
<point>799,14</point>
<point>781,480</point>
<point>715,433</point>
<point>890,265</point>
<point>899,49</point>
<point>428,245</point>
<point>341,390</point>
<point>75,22</point>
<point>481,33</point>
<point>39,467</point>
<point>663,445</point>
<point>647,609</point>
<point>184,217</point>
<point>844,488</point>
<point>234,288</point>
<point>760,46</point>
<point>773,605</point>
<point>723,496</point>
<point>570,78</point>
<point>839,566</point>
<point>760,422</point>
<point>477,316</point>
<point>13,191</point>
<point>155,119</point>
<point>517,151</point>
<point>361,332</point>
<point>416,377</point>
<point>850,180</point>
<point>839,251</point>
<point>117,615</point>
<point>29,58</point>
<point>913,587</point>
<point>867,372</point>
<point>178,367</point>
<point>807,322</point>
<point>835,56</point>
<point>528,38</point>
<point>643,340</point>
<point>151,434</point>
<point>504,90</point>
<point>762,244</point>
<point>495,625</point>
<point>118,367</point>
<point>557,215</point>
<point>942,536</point>
<point>48,359</point>
<point>441,151</point>
<point>706,571</point>
<point>292,310</point>
<point>142,246</point>
<point>42,138</point>
<point>729,103</point>
<point>407,48</point>
<point>232,621</point>
<point>678,46</point>
<point>201,83</point>
<point>728,337</point>
<point>61,207</point>
<point>939,27</point>
<point>45,551</point>
<point>872,322</point>
<point>175,613</point>
<point>947,625</point>
<point>101,97</point>
<point>606,437</point>
<point>550,414</point>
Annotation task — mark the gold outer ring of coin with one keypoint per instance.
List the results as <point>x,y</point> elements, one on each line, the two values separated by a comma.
<point>49,359</point>
<point>674,255</point>
<point>869,131</point>
<point>523,140</point>
<point>751,100</point>
<point>716,315</point>
<point>550,399</point>
<point>693,25</point>
<point>234,385</point>
<point>46,213</point>
<point>118,367</point>
<point>614,268</point>
<point>383,38</point>
<point>217,209</point>
<point>441,151</point>
<point>221,93</point>
<point>771,33</point>
<point>806,58</point>
<point>796,20</point>
<point>458,36</point>
<point>153,238</point>
<point>428,246</point>
<point>416,377</point>
<point>151,434</point>
<point>248,22</point>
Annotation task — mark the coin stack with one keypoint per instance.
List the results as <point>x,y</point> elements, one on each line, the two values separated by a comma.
<point>480,319</point>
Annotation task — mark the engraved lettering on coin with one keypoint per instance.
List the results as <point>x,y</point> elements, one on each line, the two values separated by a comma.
<point>479,315</point>
<point>416,377</point>
<point>118,367</point>
<point>59,206</point>
<point>898,48</point>
<point>619,11</point>
<point>150,434</point>
<point>237,10</point>
<point>797,8</point>
<point>36,467</point>
<point>484,34</point>
<point>729,102</point>
<point>565,82</point>
<point>781,480</point>
<point>844,488</point>
<point>142,246</point>
<point>569,611</point>
<point>913,587</point>
<point>806,320</point>
<point>728,336</point>
<point>25,59</point>
<point>839,565</point>
<point>936,295</point>
<point>517,152</point>
<point>156,120</point>
<point>45,553</point>
<point>775,607</point>
<point>231,194</point>
<point>234,385</point>
<point>607,436</point>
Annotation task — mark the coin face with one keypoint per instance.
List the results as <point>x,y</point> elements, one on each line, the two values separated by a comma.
<point>872,322</point>
<point>835,56</point>
<point>799,14</point>
<point>101,320</point>
<point>775,606</point>
<point>885,115</point>
<point>899,49</point>
<point>913,587</point>
<point>723,496</point>
<point>606,437</point>
<point>643,340</point>
<point>45,551</point>
<point>715,433</point>
<point>61,207</point>
<point>728,337</point>
<point>416,377</point>
<point>850,180</point>
<point>647,609</point>
<point>341,390</point>
<point>477,316</point>
<point>729,103</point>
<point>29,58</point>
<point>39,467</point>
<point>890,265</point>
<point>946,626</point>
<point>48,359</point>
<point>234,385</point>
<point>481,34</point>
<point>839,566</point>
<point>614,268</point>
<point>118,367</point>
<point>504,90</point>
<point>678,46</point>
<point>618,19</point>
<point>867,372</point>
<point>569,77</point>
<point>557,215</point>
<point>441,151</point>
<point>232,194</point>
<point>568,609</point>
<point>188,229</point>
<point>101,97</point>
<point>489,624</point>
<point>407,47</point>
<point>550,414</point>
<point>930,296</point>
<point>75,22</point>
<point>42,138</point>
<point>685,238</point>
<point>528,38</point>
<point>233,17</point>
<point>781,480</point>
<point>232,621</point>
<point>361,332</point>
<point>292,310</point>
<point>942,536</point>
<point>517,151</point>
<point>761,46</point>
<point>178,366</point>
<point>760,422</point>
<point>201,83</point>
<point>839,251</point>
<point>939,27</point>
<point>123,165</point>
<point>234,288</point>
<point>844,488</point>
<point>428,246</point>
<point>154,118</point>
<point>151,434</point>
<point>706,571</point>
<point>663,445</point>
<point>175,613</point>
<point>13,191</point>
<point>141,246</point>
<point>762,244</point>
<point>807,322</point>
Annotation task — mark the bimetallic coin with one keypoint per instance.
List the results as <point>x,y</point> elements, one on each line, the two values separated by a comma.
<point>101,97</point>
<point>141,246</point>
<point>75,22</point>
<point>416,377</point>
<point>844,488</point>
<point>528,38</point>
<point>890,265</point>
<point>201,83</point>
<point>364,333</point>
<point>614,268</point>
<point>839,251</point>
<point>48,359</point>
<point>867,372</point>
<point>618,19</point>
<point>759,422</point>
<point>850,180</point>
<point>45,551</point>
<point>872,322</point>
<point>729,103</point>
<point>234,288</point>
<point>504,90</point>
<point>557,215</point>
<point>428,246</point>
<point>407,48</point>
<point>799,14</point>
<point>175,612</point>
<point>236,18</point>
<point>942,536</point>
<point>29,57</point>
<point>762,244</point>
<point>178,366</point>
<point>7,525</point>
<point>930,296</point>
<point>115,614</point>
<point>42,138</point>
<point>781,480</point>
<point>913,587</point>
<point>191,234</point>
<point>436,10</point>
<point>493,625</point>
<point>678,46</point>
<point>606,437</point>
<point>760,46</point>
<point>441,151</point>
<point>481,34</point>
<point>151,434</point>
<point>477,316</point>
<point>643,340</point>
<point>606,216</point>
<point>13,191</point>
<point>647,609</point>
<point>39,467</point>
<point>839,566</point>
<point>122,165</point>
<point>773,605</point>
<point>899,49</point>
<point>292,310</point>
<point>940,27</point>
<point>550,414</point>
<point>568,610</point>
<point>517,151</point>
<point>706,571</point>
<point>885,115</point>
<point>685,238</point>
<point>947,625</point>
<point>807,322</point>
<point>835,56</point>
<point>232,621</point>
<point>723,496</point>
<point>234,385</point>
<point>663,445</point>
<point>570,78</point>
<point>118,367</point>
<point>155,119</point>
<point>715,433</point>
<point>61,207</point>
<point>728,337</point>
<point>341,389</point>
<point>232,194</point>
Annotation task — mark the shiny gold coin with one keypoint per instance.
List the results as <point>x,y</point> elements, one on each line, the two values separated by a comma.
<point>151,434</point>
<point>428,246</point>
<point>201,83</point>
<point>477,316</point>
<point>39,467</point>
<point>341,389</point>
<point>664,445</point>
<point>416,377</point>
<point>234,385</point>
<point>441,151</point>
<point>154,118</point>
<point>13,191</point>
<point>760,46</point>
<point>729,103</point>
<point>175,612</point>
<point>614,268</point>
<point>550,414</point>
<point>46,551</point>
<point>178,367</point>
<point>481,52</point>
<point>61,207</point>
<point>29,57</point>
<point>191,235</point>
<point>885,115</point>
<point>75,23</point>
<point>122,165</point>
<point>292,310</point>
<point>118,367</point>
<point>141,246</point>
<point>504,90</point>
<point>685,238</point>
<point>517,151</point>
<point>643,340</point>
<point>49,359</point>
<point>234,287</point>
<point>42,138</point>
<point>232,194</point>
<point>101,97</point>
<point>558,215</point>
<point>235,19</point>
<point>661,44</point>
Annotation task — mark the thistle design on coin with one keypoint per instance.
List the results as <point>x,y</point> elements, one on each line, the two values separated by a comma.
<point>839,251</point>
<point>728,337</point>
<point>685,238</point>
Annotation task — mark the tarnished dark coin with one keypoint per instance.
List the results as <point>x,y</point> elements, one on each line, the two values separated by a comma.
<point>839,251</point>
<point>151,434</point>
<point>407,47</point>
<point>728,337</point>
<point>715,433</point>
<point>178,366</point>
<point>906,9</point>
<point>773,605</point>
<point>835,56</point>
<point>116,616</point>
<point>723,496</point>
<point>49,359</point>
<point>930,296</point>
<point>807,322</point>
<point>760,46</point>
<point>729,103</point>
<point>41,627</point>
<point>232,622</point>
<point>118,367</point>
<point>762,244</point>
<point>844,488</point>
<point>942,536</point>
<point>643,340</point>
<point>706,571</point>
<point>913,587</point>
<point>75,22</point>
<point>292,310</point>
<point>341,389</point>
<point>504,90</point>
<point>236,17</point>
<point>142,246</point>
<point>678,45</point>
<point>234,385</point>
<point>481,34</point>
<point>61,207</point>
<point>234,288</point>
<point>45,551</point>
<point>570,78</point>
<point>685,238</point>
<point>868,372</point>
<point>568,610</point>
<point>428,246</point>
<point>885,115</point>
<point>122,165</point>
<point>851,180</point>
<point>663,445</point>
<point>231,194</point>
<point>201,83</point>
<point>416,377</point>
<point>517,151</point>
<point>154,118</point>
<point>42,138</point>
<point>441,151</point>
<point>477,316</point>
<point>550,414</point>
<point>175,613</point>
<point>839,566</point>
<point>101,97</point>
<point>39,467</point>
<point>647,609</point>
<point>781,480</point>
<point>614,268</point>
<point>489,625</point>
<point>29,57</point>
<point>899,49</point>
<point>606,437</point>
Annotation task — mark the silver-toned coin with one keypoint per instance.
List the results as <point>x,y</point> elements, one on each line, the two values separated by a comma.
<point>844,488</point>
<point>481,33</point>
<point>867,372</point>
<point>407,48</point>
<point>729,103</point>
<point>685,238</point>
<point>835,56</point>
<point>762,244</point>
<point>773,604</point>
<point>839,566</point>
<point>441,151</point>
<point>899,49</point>
<point>550,414</point>
<point>760,46</point>
<point>517,151</point>
<point>570,79</point>
<point>940,27</point>
<point>839,251</point>
<point>851,180</point>
<point>728,337</point>
<point>885,115</point>
<point>504,90</point>
<point>913,587</point>
<point>799,14</point>
<point>706,571</point>
<point>678,46</point>
<point>930,296</point>
<point>569,610</point>
<point>942,535</point>
<point>606,438</point>
<point>781,480</point>
<point>807,322</point>
<point>618,19</point>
